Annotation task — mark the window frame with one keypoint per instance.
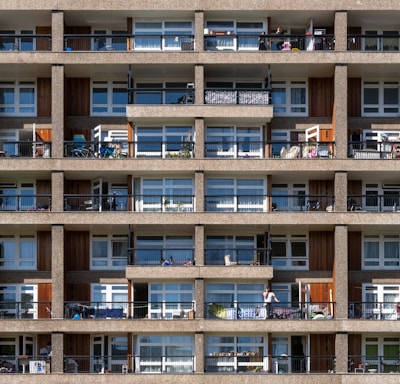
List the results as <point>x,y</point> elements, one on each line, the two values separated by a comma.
<point>379,108</point>
<point>289,261</point>
<point>15,108</point>
<point>286,106</point>
<point>17,293</point>
<point>19,262</point>
<point>379,261</point>
<point>109,107</point>
<point>110,261</point>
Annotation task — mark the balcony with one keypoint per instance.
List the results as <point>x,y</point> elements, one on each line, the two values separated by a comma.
<point>302,203</point>
<point>374,364</point>
<point>374,311</point>
<point>236,256</point>
<point>374,202</point>
<point>10,310</point>
<point>25,42</point>
<point>24,202</point>
<point>31,149</point>
<point>161,257</point>
<point>237,96</point>
<point>277,311</point>
<point>372,149</point>
<point>388,42</point>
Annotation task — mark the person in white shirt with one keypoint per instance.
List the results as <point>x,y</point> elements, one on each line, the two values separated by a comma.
<point>269,297</point>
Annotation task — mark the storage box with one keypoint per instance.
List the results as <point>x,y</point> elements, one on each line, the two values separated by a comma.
<point>37,366</point>
<point>191,315</point>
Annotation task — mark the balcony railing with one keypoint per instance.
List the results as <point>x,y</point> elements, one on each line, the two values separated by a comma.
<point>35,149</point>
<point>162,257</point>
<point>259,311</point>
<point>25,42</point>
<point>24,310</point>
<point>303,203</point>
<point>374,363</point>
<point>161,96</point>
<point>374,311</point>
<point>235,203</point>
<point>374,149</point>
<point>241,96</point>
<point>21,202</point>
<point>237,256</point>
<point>302,149</point>
<point>388,42</point>
<point>240,362</point>
<point>388,202</point>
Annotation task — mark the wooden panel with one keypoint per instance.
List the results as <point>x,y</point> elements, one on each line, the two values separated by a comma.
<point>78,345</point>
<point>354,44</point>
<point>320,293</point>
<point>44,251</point>
<point>43,134</point>
<point>321,94</point>
<point>323,188</point>
<point>43,43</point>
<point>78,43</point>
<point>77,96</point>
<point>77,292</point>
<point>355,345</point>
<point>322,346</point>
<point>321,251</point>
<point>44,97</point>
<point>44,299</point>
<point>354,251</point>
<point>355,292</point>
<point>77,251</point>
<point>354,97</point>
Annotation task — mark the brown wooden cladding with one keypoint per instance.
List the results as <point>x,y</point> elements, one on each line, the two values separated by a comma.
<point>44,250</point>
<point>354,251</point>
<point>354,97</point>
<point>321,250</point>
<point>44,97</point>
<point>78,43</point>
<point>78,345</point>
<point>77,96</point>
<point>44,299</point>
<point>322,347</point>
<point>77,248</point>
<point>323,188</point>
<point>321,292</point>
<point>43,43</point>
<point>355,346</point>
<point>77,292</point>
<point>321,97</point>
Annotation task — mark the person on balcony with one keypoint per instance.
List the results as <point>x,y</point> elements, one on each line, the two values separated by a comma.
<point>269,297</point>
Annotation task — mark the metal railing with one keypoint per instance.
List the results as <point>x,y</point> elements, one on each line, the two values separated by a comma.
<point>117,149</point>
<point>235,149</point>
<point>161,96</point>
<point>236,96</point>
<point>302,203</point>
<point>374,363</point>
<point>374,149</point>
<point>302,149</point>
<point>237,256</point>
<point>25,42</point>
<point>372,202</point>
<point>99,203</point>
<point>33,149</point>
<point>21,202</point>
<point>260,311</point>
<point>161,257</point>
<point>10,310</point>
<point>374,311</point>
<point>388,42</point>
<point>235,203</point>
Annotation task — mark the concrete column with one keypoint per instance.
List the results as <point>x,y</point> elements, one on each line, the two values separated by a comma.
<point>57,111</point>
<point>199,190</point>
<point>199,352</point>
<point>199,145</point>
<point>199,84</point>
<point>341,31</point>
<point>340,191</point>
<point>57,273</point>
<point>340,272</point>
<point>341,352</point>
<point>340,111</point>
<point>199,292</point>
<point>57,191</point>
<point>57,31</point>
<point>199,31</point>
<point>199,244</point>
<point>57,352</point>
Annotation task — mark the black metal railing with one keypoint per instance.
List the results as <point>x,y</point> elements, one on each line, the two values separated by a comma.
<point>235,149</point>
<point>24,310</point>
<point>24,202</point>
<point>374,202</point>
<point>374,363</point>
<point>117,149</point>
<point>25,42</point>
<point>302,149</point>
<point>162,257</point>
<point>374,310</point>
<point>277,310</point>
<point>247,96</point>
<point>33,149</point>
<point>388,42</point>
<point>374,149</point>
<point>235,203</point>
<point>161,96</point>
<point>236,256</point>
<point>302,202</point>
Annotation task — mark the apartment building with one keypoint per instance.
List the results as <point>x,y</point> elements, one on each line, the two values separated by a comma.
<point>163,163</point>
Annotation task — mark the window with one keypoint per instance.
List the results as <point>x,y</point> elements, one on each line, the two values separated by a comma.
<point>160,93</point>
<point>167,195</point>
<point>289,98</point>
<point>103,43</point>
<point>389,41</point>
<point>235,195</point>
<point>169,354</point>
<point>109,97</point>
<point>110,296</point>
<point>17,98</point>
<point>168,300</point>
<point>17,196</point>
<point>380,98</point>
<point>381,251</point>
<point>289,251</point>
<point>381,353</point>
<point>109,251</point>
<point>17,252</point>
<point>241,249</point>
<point>17,43</point>
<point>166,141</point>
<point>19,301</point>
<point>234,294</point>
<point>109,353</point>
<point>167,35</point>
<point>158,250</point>
<point>380,301</point>
<point>241,142</point>
<point>290,197</point>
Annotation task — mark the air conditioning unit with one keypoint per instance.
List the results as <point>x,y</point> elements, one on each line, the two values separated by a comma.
<point>391,186</point>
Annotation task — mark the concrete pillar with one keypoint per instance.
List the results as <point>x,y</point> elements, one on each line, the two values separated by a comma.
<point>199,146</point>
<point>199,31</point>
<point>199,84</point>
<point>57,352</point>
<point>57,110</point>
<point>340,111</point>
<point>57,191</point>
<point>199,244</point>
<point>57,273</point>
<point>199,292</point>
<point>340,191</point>
<point>199,352</point>
<point>57,31</point>
<point>341,31</point>
<point>342,352</point>
<point>199,190</point>
<point>340,272</point>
